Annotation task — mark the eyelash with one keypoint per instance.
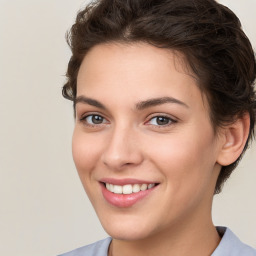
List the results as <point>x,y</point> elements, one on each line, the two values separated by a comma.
<point>170,120</point>
<point>84,120</point>
<point>90,123</point>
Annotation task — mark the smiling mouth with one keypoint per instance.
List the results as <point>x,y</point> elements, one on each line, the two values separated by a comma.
<point>128,188</point>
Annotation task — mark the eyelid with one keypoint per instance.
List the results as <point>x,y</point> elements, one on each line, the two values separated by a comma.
<point>91,113</point>
<point>83,117</point>
<point>172,120</point>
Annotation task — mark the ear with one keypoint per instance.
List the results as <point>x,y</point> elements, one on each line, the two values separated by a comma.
<point>234,138</point>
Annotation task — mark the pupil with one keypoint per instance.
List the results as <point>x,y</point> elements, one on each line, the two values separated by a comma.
<point>97,119</point>
<point>162,120</point>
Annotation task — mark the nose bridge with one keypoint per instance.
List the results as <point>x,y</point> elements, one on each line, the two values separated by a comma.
<point>122,147</point>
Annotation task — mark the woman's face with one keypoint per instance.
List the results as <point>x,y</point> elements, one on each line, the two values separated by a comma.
<point>141,119</point>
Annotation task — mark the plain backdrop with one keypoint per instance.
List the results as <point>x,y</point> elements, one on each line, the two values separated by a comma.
<point>43,208</point>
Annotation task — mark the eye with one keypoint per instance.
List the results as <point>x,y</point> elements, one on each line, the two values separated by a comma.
<point>93,120</point>
<point>161,121</point>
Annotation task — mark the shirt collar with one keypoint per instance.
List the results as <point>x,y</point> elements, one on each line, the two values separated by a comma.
<point>230,244</point>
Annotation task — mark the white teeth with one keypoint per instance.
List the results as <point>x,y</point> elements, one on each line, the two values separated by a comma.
<point>136,188</point>
<point>128,189</point>
<point>111,187</point>
<point>143,187</point>
<point>151,186</point>
<point>118,189</point>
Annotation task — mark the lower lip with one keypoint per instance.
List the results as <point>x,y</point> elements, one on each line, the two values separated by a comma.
<point>122,200</point>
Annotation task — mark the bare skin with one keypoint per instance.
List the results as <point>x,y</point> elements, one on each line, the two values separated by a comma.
<point>140,115</point>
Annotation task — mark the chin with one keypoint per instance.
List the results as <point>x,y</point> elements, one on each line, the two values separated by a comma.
<point>129,229</point>
<point>127,234</point>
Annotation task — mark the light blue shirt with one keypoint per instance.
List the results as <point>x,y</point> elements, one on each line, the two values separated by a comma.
<point>230,245</point>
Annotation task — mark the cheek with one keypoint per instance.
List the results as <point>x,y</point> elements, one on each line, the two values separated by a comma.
<point>186,162</point>
<point>85,152</point>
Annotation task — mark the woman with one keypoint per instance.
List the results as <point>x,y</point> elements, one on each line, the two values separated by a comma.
<point>165,108</point>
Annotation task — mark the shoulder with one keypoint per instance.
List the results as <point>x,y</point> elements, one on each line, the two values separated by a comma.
<point>230,245</point>
<point>99,248</point>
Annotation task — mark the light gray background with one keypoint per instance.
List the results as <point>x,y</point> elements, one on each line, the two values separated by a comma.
<point>43,208</point>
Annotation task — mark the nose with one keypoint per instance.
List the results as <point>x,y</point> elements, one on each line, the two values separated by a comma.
<point>122,149</point>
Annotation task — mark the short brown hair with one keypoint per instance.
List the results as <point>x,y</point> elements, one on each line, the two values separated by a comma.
<point>206,32</point>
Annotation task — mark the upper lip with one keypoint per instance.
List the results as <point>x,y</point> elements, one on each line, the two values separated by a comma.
<point>126,181</point>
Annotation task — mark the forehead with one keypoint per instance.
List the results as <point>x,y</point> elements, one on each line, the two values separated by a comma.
<point>132,71</point>
<point>140,56</point>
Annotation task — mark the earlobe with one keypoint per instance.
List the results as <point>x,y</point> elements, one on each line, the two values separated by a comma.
<point>234,138</point>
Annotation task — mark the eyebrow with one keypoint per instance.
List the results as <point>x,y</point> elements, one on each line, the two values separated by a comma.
<point>89,101</point>
<point>159,101</point>
<point>139,106</point>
